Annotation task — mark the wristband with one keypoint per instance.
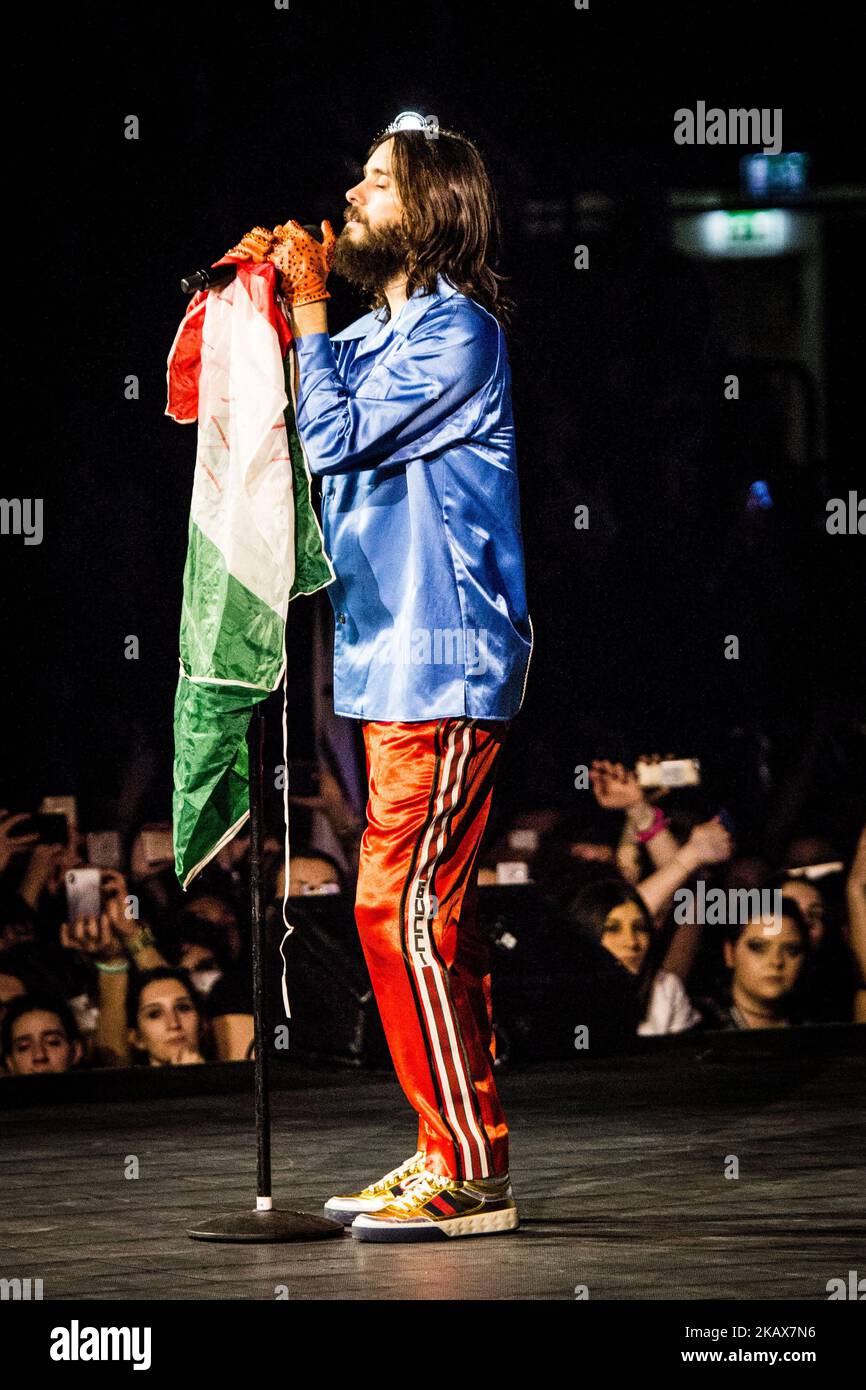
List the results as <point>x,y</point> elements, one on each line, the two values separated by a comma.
<point>659,822</point>
<point>117,969</point>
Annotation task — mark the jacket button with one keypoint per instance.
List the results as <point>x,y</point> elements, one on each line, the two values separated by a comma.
<point>341,617</point>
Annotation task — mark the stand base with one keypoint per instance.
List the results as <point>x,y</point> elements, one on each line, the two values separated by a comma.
<point>252,1227</point>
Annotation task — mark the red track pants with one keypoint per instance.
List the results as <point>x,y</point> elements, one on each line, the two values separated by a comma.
<point>431,785</point>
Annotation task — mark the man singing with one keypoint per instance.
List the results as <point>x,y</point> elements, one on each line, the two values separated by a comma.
<point>406,417</point>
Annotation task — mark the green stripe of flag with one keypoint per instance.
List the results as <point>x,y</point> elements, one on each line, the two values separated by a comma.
<point>227,633</point>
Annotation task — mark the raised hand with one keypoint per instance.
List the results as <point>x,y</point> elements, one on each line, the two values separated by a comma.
<point>11,845</point>
<point>711,843</point>
<point>185,1056</point>
<point>303,263</point>
<point>615,786</point>
<point>93,938</point>
<point>254,245</point>
<point>45,870</point>
<point>114,898</point>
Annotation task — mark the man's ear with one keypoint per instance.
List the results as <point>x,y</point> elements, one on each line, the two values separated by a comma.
<point>77,1053</point>
<point>728,950</point>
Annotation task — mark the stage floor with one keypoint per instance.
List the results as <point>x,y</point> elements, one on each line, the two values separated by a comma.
<point>618,1168</point>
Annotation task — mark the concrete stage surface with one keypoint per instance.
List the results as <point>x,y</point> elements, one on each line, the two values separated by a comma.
<point>618,1166</point>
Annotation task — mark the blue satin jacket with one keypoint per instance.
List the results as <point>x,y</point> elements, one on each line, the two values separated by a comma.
<point>409,425</point>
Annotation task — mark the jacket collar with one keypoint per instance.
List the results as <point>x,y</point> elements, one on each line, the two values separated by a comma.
<point>413,310</point>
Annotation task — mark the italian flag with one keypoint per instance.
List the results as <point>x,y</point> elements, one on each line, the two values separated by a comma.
<point>254,545</point>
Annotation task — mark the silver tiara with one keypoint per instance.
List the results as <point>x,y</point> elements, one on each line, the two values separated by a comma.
<point>413,120</point>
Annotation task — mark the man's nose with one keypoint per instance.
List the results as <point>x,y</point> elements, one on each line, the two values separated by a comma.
<point>353,195</point>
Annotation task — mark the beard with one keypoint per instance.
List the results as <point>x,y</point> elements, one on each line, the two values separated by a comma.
<point>372,258</point>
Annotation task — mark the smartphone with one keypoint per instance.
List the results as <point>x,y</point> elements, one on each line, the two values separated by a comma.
<point>104,849</point>
<point>675,772</point>
<point>157,845</point>
<point>61,805</point>
<point>512,871</point>
<point>83,894</point>
<point>525,838</point>
<point>53,827</point>
<point>304,778</point>
<point>814,872</point>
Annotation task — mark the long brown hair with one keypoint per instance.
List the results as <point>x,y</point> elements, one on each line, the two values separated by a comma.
<point>450,216</point>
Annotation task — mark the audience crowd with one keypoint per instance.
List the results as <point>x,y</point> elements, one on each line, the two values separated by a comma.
<point>159,977</point>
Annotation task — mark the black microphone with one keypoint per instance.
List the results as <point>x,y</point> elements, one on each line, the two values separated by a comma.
<point>218,275</point>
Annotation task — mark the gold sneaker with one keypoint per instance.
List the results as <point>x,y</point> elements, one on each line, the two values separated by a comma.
<point>378,1194</point>
<point>439,1208</point>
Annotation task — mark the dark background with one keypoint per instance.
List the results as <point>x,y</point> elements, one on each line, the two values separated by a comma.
<point>256,115</point>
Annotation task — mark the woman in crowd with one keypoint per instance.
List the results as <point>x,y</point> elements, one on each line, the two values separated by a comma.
<point>204,954</point>
<point>125,957</point>
<point>834,983</point>
<point>830,975</point>
<point>144,1005</point>
<point>765,959</point>
<point>166,1021</point>
<point>659,855</point>
<point>614,915</point>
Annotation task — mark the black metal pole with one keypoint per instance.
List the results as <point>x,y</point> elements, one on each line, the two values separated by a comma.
<point>255,743</point>
<point>263,1224</point>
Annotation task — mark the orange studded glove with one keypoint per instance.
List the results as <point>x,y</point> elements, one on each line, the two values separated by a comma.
<point>303,263</point>
<point>254,246</point>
